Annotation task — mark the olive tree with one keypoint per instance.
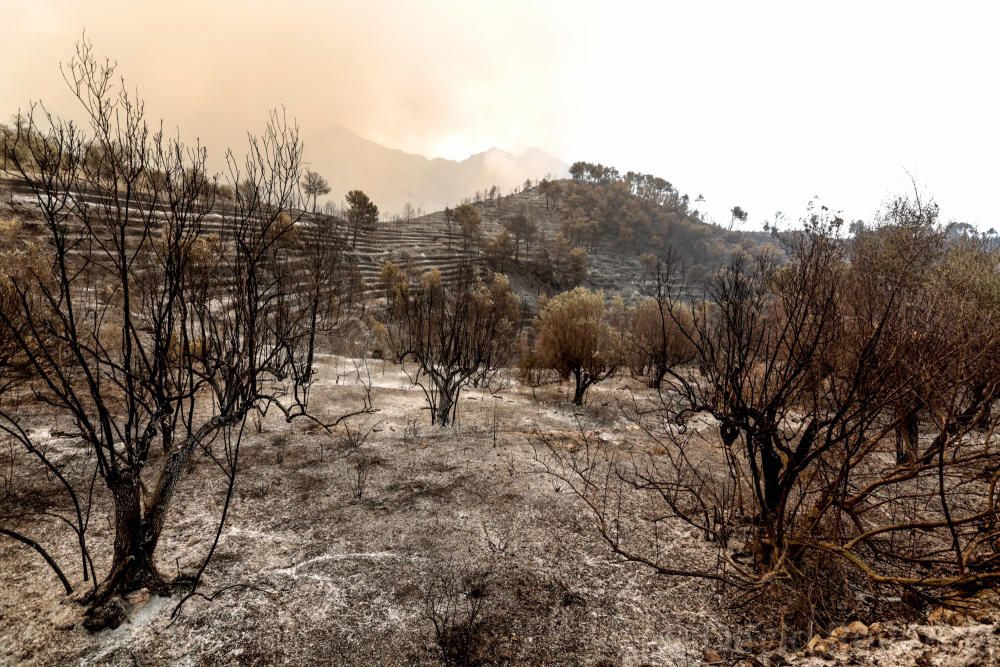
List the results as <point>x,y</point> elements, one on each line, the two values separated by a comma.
<point>132,323</point>
<point>456,331</point>
<point>575,336</point>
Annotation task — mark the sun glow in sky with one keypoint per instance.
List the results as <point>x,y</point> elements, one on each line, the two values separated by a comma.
<point>765,105</point>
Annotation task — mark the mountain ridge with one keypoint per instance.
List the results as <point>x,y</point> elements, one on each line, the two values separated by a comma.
<point>393,177</point>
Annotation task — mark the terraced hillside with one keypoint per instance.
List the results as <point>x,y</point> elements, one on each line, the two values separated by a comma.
<point>428,241</point>
<point>614,266</point>
<point>422,244</point>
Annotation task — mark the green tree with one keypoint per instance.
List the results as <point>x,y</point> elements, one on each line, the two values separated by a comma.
<point>576,338</point>
<point>522,228</point>
<point>469,221</point>
<point>362,213</point>
<point>314,185</point>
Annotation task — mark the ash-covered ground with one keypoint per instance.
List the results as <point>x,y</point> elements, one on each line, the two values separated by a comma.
<point>458,540</point>
<point>307,573</point>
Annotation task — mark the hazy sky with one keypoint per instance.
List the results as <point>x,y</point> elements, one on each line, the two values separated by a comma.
<point>761,104</point>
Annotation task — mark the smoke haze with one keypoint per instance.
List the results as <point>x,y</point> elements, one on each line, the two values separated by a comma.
<point>762,105</point>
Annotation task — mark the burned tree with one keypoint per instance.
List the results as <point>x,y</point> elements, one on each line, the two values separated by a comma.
<point>896,257</point>
<point>152,337</point>
<point>455,331</point>
<point>802,367</point>
<point>764,351</point>
<point>657,330</point>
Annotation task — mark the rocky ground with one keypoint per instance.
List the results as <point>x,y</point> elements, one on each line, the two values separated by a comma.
<point>947,638</point>
<point>449,523</point>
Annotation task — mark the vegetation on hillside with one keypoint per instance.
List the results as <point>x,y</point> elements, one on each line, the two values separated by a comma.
<point>604,228</point>
<point>640,213</point>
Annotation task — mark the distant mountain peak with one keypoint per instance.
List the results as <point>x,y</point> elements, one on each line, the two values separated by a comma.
<point>497,151</point>
<point>392,177</point>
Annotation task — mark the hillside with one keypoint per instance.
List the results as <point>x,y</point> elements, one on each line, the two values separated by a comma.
<point>392,177</point>
<point>428,241</point>
<point>614,264</point>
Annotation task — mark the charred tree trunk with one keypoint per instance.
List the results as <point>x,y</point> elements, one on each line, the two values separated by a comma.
<point>132,565</point>
<point>138,525</point>
<point>907,439</point>
<point>659,372</point>
<point>580,389</point>
<point>443,412</point>
<point>769,539</point>
<point>448,404</point>
<point>443,409</point>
